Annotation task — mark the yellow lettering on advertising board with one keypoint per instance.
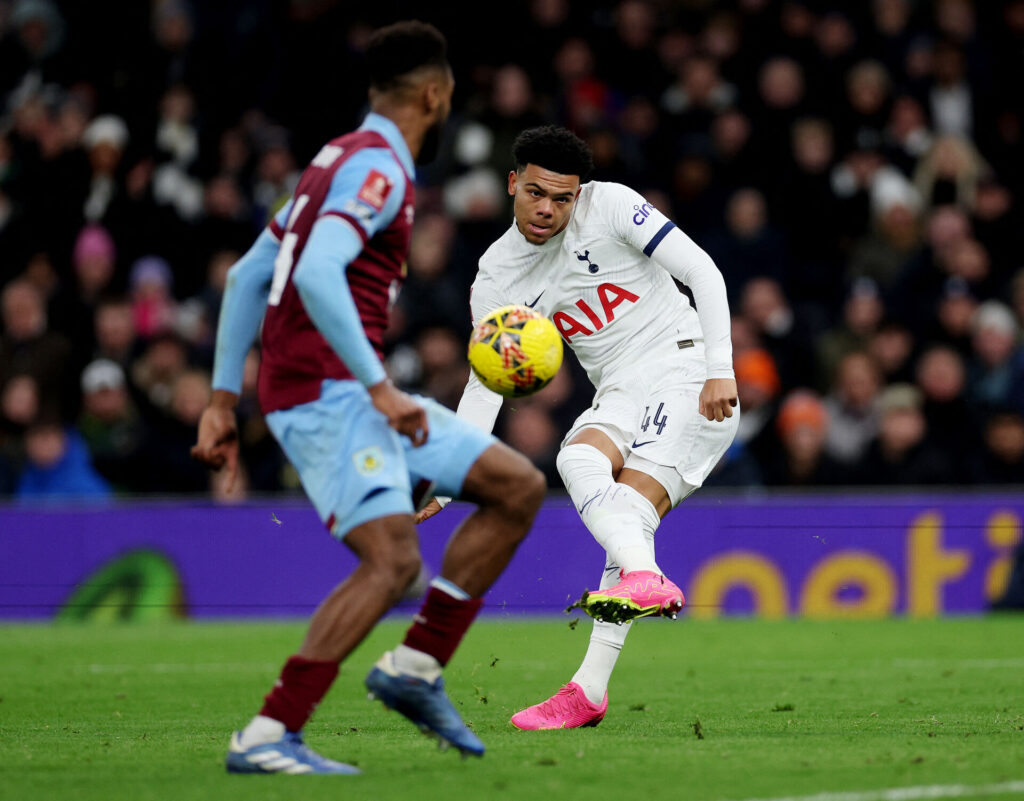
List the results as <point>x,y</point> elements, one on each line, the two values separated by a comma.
<point>1003,533</point>
<point>753,572</point>
<point>930,566</point>
<point>870,574</point>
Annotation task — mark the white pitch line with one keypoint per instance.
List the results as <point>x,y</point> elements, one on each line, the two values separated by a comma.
<point>910,793</point>
<point>1008,662</point>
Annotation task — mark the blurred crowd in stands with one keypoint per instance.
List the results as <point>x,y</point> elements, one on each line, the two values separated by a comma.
<point>854,169</point>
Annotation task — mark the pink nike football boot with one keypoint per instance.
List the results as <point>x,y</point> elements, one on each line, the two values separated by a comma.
<point>569,708</point>
<point>638,594</point>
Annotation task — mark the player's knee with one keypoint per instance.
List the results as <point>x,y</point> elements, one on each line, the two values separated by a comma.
<point>399,569</point>
<point>582,460</point>
<point>393,554</point>
<point>525,491</point>
<point>406,568</point>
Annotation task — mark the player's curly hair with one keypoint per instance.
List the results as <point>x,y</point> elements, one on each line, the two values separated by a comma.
<point>554,148</point>
<point>403,47</point>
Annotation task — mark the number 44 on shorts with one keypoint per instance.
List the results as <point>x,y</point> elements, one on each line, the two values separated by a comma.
<point>659,419</point>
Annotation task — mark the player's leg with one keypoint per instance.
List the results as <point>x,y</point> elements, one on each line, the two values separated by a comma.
<point>388,551</point>
<point>620,508</point>
<point>352,466</point>
<point>584,700</point>
<point>623,523</point>
<point>614,512</point>
<point>680,447</point>
<point>508,490</point>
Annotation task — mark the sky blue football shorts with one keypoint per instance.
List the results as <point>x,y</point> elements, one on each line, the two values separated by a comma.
<point>355,467</point>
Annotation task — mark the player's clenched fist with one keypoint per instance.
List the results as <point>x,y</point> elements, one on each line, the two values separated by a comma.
<point>718,398</point>
<point>404,414</point>
<point>217,442</point>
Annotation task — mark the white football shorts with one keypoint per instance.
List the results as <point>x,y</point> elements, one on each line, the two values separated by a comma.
<point>649,410</point>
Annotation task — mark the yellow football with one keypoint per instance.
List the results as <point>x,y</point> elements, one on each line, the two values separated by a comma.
<point>515,351</point>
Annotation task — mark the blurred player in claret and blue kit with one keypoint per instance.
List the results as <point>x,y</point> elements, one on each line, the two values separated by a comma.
<point>324,273</point>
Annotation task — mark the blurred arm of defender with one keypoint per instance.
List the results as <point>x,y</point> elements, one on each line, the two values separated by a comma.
<point>241,312</point>
<point>681,257</point>
<point>478,406</point>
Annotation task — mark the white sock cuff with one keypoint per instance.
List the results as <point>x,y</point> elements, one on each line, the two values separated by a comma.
<point>448,588</point>
<point>583,457</point>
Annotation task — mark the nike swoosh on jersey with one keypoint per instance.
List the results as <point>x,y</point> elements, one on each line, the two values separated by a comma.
<point>531,305</point>
<point>640,444</point>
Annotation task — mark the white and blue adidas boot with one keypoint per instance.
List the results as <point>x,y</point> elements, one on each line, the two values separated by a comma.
<point>424,703</point>
<point>288,755</point>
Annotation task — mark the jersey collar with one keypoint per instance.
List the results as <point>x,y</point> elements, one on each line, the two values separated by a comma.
<point>378,123</point>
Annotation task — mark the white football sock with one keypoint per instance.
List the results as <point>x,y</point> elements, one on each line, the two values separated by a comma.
<point>607,639</point>
<point>261,730</point>
<point>614,513</point>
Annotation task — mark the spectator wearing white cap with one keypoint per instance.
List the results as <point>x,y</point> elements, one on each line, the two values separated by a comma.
<point>111,426</point>
<point>105,140</point>
<point>895,236</point>
<point>997,364</point>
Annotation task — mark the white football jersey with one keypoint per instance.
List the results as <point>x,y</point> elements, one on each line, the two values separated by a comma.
<point>595,280</point>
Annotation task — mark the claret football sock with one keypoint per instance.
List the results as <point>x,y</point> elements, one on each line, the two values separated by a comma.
<point>297,692</point>
<point>442,621</point>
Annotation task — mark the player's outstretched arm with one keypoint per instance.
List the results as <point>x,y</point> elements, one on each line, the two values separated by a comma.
<point>245,298</point>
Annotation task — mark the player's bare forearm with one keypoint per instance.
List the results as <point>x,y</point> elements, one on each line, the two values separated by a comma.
<point>718,398</point>
<point>404,414</point>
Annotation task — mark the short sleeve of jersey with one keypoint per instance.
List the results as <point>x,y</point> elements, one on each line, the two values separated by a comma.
<point>368,191</point>
<point>630,217</point>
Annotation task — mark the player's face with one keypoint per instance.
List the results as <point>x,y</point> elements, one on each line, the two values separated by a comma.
<point>543,201</point>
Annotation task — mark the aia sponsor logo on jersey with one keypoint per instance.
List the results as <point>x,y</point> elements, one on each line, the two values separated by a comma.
<point>642,213</point>
<point>610,296</point>
<point>375,190</point>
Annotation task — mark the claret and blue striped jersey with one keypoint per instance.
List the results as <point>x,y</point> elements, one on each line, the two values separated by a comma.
<point>326,270</point>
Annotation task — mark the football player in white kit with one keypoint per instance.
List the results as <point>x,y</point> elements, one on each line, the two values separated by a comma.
<point>599,260</point>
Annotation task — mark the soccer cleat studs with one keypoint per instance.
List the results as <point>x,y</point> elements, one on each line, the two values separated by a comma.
<point>641,593</point>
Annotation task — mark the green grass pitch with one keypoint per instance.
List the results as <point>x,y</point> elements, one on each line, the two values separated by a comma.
<point>732,709</point>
